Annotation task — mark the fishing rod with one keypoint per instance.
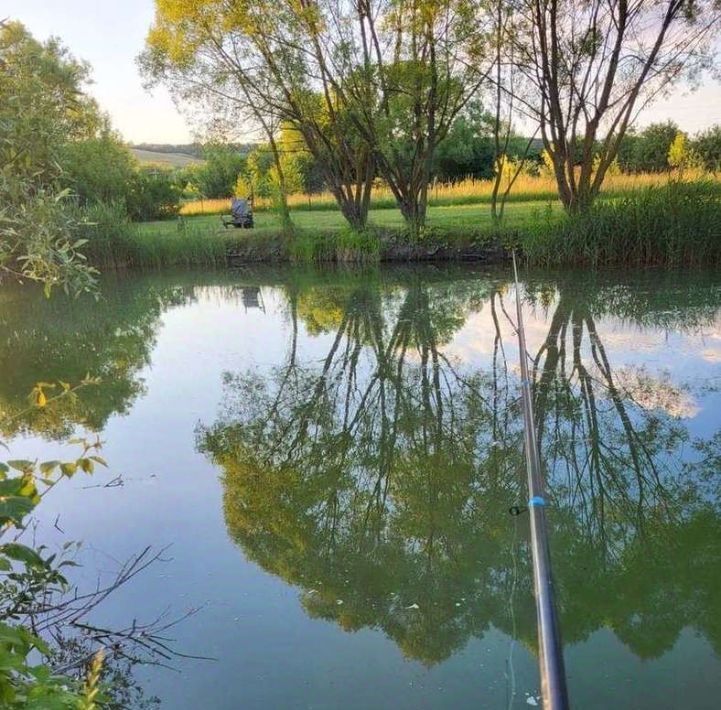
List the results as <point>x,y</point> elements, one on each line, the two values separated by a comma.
<point>550,656</point>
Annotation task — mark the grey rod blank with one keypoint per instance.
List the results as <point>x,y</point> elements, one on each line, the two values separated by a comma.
<point>550,656</point>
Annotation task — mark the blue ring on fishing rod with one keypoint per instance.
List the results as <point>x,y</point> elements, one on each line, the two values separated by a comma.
<point>537,500</point>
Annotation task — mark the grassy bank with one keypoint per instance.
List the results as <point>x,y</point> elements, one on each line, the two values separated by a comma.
<point>324,235</point>
<point>675,224</point>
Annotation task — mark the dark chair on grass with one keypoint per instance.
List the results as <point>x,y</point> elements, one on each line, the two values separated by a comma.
<point>241,215</point>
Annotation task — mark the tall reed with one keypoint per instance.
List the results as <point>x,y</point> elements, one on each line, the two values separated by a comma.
<point>114,242</point>
<point>109,233</point>
<point>344,246</point>
<point>678,224</point>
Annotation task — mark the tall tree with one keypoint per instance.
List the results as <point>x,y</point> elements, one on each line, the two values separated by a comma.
<point>198,51</point>
<point>253,61</point>
<point>594,65</point>
<point>410,68</point>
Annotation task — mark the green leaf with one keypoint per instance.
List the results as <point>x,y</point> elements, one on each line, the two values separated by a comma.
<point>21,465</point>
<point>48,466</point>
<point>69,469</point>
<point>22,553</point>
<point>11,486</point>
<point>14,508</point>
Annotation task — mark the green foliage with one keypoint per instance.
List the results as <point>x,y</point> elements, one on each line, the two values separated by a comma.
<point>647,151</point>
<point>678,153</point>
<point>29,574</point>
<point>39,237</point>
<point>154,194</point>
<point>676,225</point>
<point>468,149</point>
<point>108,233</point>
<point>301,170</point>
<point>258,177</point>
<point>27,684</point>
<point>183,244</point>
<point>707,146</point>
<point>98,169</point>
<point>42,106</point>
<point>216,177</point>
<point>348,245</point>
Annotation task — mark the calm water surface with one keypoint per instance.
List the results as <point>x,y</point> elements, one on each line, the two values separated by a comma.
<point>331,458</point>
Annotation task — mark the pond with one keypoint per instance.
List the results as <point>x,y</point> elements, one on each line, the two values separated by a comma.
<point>330,458</point>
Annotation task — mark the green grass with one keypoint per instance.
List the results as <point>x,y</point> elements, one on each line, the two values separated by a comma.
<point>447,217</point>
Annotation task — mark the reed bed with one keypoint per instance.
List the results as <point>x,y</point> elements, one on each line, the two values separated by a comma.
<point>469,191</point>
<point>677,224</point>
<point>114,242</point>
<point>344,246</point>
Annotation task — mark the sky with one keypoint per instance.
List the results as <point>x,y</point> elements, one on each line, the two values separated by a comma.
<point>110,35</point>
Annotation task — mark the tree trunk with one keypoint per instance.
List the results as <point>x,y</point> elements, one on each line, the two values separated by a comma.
<point>287,223</point>
<point>413,209</point>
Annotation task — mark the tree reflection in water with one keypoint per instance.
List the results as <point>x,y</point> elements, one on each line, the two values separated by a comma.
<point>379,480</point>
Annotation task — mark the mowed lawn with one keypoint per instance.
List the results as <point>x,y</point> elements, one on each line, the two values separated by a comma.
<point>451,218</point>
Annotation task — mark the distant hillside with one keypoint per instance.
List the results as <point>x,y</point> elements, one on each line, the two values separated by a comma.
<point>164,158</point>
<point>193,149</point>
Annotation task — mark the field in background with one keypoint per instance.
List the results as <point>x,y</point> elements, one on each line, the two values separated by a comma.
<point>466,192</point>
<point>166,160</point>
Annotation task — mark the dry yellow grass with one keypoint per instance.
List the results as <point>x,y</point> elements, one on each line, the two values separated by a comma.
<point>526,188</point>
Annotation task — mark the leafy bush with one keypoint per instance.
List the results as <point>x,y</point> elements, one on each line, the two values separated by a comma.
<point>647,151</point>
<point>98,169</point>
<point>217,176</point>
<point>707,146</point>
<point>42,107</point>
<point>29,578</point>
<point>154,194</point>
<point>39,237</point>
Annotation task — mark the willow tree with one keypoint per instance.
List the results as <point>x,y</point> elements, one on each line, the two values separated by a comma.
<point>405,69</point>
<point>252,60</point>
<point>192,49</point>
<point>594,65</point>
<point>43,106</point>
